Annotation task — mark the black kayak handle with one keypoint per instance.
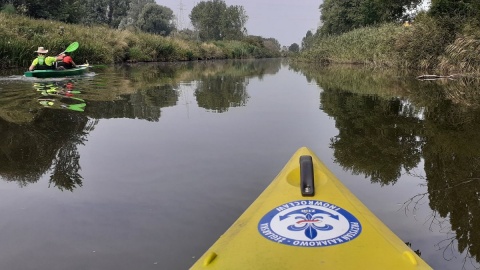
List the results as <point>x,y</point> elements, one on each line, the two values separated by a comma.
<point>307,186</point>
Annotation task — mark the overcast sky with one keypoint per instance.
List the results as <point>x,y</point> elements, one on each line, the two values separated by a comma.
<point>285,20</point>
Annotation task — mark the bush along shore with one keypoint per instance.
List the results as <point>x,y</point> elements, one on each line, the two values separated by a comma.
<point>21,36</point>
<point>429,44</point>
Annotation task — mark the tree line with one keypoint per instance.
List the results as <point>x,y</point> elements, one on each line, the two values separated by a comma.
<point>212,20</point>
<point>339,17</point>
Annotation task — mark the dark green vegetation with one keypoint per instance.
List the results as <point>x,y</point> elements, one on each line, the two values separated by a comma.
<point>342,16</point>
<point>388,125</point>
<point>215,20</point>
<point>116,31</point>
<point>446,38</point>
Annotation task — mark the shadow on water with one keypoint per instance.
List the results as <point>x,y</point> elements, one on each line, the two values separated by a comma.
<point>388,125</point>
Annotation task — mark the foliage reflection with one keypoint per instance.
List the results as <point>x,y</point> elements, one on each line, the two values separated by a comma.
<point>36,140</point>
<point>388,124</point>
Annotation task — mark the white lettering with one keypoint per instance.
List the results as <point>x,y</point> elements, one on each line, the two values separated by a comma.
<point>317,243</point>
<point>352,232</point>
<point>269,234</point>
<point>334,207</point>
<point>318,203</point>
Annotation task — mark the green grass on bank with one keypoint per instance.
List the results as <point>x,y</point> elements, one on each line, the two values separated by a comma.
<point>365,45</point>
<point>21,36</point>
<point>428,44</point>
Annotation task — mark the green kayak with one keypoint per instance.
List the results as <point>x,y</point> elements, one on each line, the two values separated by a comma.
<point>50,73</point>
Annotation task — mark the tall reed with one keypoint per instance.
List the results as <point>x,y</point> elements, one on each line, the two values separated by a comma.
<point>427,45</point>
<point>369,45</point>
<point>99,44</point>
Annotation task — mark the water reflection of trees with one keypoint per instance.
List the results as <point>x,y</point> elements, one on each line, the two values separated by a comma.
<point>218,93</point>
<point>452,168</point>
<point>225,88</point>
<point>31,150</point>
<point>144,104</point>
<point>384,129</point>
<point>377,138</point>
<point>36,141</point>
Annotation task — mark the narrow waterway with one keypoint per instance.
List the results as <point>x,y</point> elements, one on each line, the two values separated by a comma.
<point>145,166</point>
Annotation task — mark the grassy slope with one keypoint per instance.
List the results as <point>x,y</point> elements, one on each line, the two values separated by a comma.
<point>422,46</point>
<point>98,44</point>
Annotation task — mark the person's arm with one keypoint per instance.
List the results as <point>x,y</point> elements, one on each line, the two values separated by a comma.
<point>33,65</point>
<point>69,60</point>
<point>50,60</point>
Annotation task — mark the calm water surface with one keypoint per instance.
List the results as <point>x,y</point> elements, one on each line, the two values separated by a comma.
<point>145,166</point>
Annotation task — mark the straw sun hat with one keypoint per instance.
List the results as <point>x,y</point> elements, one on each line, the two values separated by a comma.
<point>41,50</point>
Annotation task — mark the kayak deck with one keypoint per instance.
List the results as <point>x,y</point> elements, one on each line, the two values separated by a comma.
<point>51,73</point>
<point>307,219</point>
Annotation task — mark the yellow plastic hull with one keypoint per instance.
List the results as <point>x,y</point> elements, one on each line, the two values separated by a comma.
<point>330,230</point>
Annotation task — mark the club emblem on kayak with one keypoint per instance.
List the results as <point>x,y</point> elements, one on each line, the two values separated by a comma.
<point>309,223</point>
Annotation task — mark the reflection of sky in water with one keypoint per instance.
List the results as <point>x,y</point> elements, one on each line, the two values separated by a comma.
<point>162,192</point>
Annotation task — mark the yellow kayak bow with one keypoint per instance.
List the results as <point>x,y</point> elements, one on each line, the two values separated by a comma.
<point>307,219</point>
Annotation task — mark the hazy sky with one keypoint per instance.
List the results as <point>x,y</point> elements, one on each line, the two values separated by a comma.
<point>285,20</point>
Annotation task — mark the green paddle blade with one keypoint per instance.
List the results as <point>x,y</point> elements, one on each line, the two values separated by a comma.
<point>75,107</point>
<point>72,47</point>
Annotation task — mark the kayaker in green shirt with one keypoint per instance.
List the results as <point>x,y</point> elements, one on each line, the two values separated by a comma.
<point>43,61</point>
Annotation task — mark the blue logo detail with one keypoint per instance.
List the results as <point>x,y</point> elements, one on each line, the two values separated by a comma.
<point>309,223</point>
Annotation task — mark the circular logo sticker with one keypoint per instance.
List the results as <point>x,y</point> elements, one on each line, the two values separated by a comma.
<point>309,223</point>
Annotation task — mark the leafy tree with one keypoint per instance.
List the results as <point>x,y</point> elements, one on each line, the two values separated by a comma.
<point>117,10</point>
<point>272,44</point>
<point>108,12</point>
<point>205,19</point>
<point>307,40</point>
<point>269,43</point>
<point>213,20</point>
<point>135,7</point>
<point>342,16</point>
<point>294,48</point>
<point>8,8</point>
<point>254,40</point>
<point>94,11</point>
<point>233,22</point>
<point>60,10</point>
<point>455,8</point>
<point>156,19</point>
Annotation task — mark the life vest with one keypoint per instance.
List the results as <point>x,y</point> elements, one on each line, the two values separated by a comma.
<point>41,64</point>
<point>65,62</point>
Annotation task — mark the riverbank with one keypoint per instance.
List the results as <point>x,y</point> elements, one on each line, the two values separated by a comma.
<point>21,36</point>
<point>427,45</point>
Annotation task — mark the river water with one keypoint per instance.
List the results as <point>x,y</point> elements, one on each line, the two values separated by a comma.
<point>145,166</point>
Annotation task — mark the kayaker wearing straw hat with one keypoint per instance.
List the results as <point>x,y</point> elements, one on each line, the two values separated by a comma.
<point>42,61</point>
